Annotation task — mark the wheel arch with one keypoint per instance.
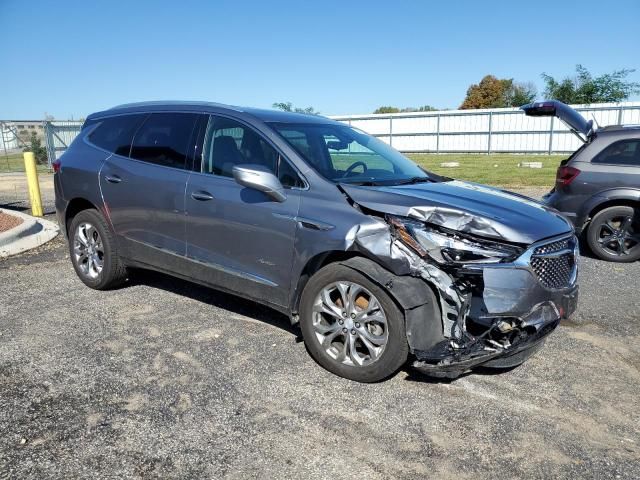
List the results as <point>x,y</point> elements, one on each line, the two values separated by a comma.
<point>75,206</point>
<point>314,264</point>
<point>627,197</point>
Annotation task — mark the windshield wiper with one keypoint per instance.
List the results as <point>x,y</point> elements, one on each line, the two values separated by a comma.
<point>412,180</point>
<point>364,183</point>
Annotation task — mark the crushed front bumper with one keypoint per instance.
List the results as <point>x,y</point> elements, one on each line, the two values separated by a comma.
<point>510,310</point>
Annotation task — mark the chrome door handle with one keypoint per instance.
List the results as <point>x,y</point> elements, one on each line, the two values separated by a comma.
<point>112,178</point>
<point>202,196</point>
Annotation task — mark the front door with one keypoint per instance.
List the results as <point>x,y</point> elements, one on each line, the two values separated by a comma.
<point>238,238</point>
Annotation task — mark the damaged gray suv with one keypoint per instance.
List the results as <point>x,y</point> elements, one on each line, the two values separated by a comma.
<point>378,260</point>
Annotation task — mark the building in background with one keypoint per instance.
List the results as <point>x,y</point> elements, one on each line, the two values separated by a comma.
<point>14,134</point>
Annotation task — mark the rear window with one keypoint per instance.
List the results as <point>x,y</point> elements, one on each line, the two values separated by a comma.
<point>164,139</point>
<point>115,134</point>
<point>624,152</point>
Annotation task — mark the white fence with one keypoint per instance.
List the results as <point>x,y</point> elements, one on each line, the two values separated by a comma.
<point>486,131</point>
<point>448,131</point>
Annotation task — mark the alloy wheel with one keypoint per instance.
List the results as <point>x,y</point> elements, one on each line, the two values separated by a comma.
<point>350,324</point>
<point>619,236</point>
<point>88,250</point>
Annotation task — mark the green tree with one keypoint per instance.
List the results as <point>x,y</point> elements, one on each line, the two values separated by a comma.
<point>35,146</point>
<point>424,108</point>
<point>585,88</point>
<point>387,110</point>
<point>288,107</point>
<point>520,94</point>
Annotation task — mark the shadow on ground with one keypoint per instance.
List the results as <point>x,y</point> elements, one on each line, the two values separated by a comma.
<point>226,301</point>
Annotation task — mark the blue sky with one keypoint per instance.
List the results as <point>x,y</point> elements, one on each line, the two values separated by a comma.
<point>70,58</point>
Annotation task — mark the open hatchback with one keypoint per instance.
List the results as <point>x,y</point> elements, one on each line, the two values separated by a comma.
<point>580,126</point>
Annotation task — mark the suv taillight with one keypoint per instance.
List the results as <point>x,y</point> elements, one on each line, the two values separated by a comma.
<point>56,166</point>
<point>565,175</point>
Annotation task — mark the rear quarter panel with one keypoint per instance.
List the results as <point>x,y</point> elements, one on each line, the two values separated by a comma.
<point>597,182</point>
<point>78,176</point>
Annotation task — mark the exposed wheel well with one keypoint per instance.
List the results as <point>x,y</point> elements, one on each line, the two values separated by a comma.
<point>323,259</point>
<point>312,266</point>
<point>417,299</point>
<point>76,206</point>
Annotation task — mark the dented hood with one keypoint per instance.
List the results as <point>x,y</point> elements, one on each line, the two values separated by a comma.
<point>466,207</point>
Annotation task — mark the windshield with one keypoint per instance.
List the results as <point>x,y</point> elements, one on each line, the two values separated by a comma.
<point>343,154</point>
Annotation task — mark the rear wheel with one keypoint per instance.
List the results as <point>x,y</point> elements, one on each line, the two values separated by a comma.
<point>94,253</point>
<point>351,326</point>
<point>614,234</point>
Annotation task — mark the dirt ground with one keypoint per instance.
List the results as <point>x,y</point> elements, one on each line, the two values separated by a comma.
<point>167,379</point>
<point>15,194</point>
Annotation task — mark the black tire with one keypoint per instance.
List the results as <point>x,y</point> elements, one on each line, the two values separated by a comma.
<point>113,273</point>
<point>396,350</point>
<point>611,221</point>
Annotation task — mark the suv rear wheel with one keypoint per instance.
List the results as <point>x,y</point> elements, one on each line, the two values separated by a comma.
<point>614,234</point>
<point>93,251</point>
<point>351,326</point>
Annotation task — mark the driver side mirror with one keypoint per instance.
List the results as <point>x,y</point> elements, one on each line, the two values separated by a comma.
<point>259,178</point>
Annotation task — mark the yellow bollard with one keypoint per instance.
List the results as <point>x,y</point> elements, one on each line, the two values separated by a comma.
<point>32,182</point>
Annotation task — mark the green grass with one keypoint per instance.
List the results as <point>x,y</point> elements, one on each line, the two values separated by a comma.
<point>494,169</point>
<point>14,162</point>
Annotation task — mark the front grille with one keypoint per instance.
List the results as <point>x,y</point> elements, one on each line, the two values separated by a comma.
<point>554,271</point>
<point>552,247</point>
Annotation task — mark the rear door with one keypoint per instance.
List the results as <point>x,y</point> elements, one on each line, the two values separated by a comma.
<point>238,238</point>
<point>143,189</point>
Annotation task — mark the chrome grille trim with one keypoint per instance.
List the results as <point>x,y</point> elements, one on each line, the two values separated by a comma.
<point>553,247</point>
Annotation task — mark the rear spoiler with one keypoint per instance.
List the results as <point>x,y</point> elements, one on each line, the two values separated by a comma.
<point>580,127</point>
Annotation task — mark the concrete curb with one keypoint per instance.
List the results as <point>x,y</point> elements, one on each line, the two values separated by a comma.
<point>31,233</point>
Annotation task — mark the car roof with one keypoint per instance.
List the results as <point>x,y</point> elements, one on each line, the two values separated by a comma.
<point>211,107</point>
<point>619,128</point>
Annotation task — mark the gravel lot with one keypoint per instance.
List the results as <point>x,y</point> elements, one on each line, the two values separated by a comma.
<point>164,378</point>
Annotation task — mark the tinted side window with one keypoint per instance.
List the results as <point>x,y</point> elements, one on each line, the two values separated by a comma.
<point>115,134</point>
<point>624,152</point>
<point>165,139</point>
<point>229,143</point>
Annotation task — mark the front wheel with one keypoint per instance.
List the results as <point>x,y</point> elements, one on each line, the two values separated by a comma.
<point>351,326</point>
<point>614,234</point>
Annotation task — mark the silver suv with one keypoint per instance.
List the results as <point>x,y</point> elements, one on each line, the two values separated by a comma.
<point>598,187</point>
<point>378,260</point>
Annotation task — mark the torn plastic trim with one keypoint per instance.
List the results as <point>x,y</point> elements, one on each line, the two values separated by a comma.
<point>452,366</point>
<point>419,302</point>
<point>377,241</point>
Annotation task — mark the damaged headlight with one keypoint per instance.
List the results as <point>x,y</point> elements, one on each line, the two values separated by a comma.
<point>445,247</point>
